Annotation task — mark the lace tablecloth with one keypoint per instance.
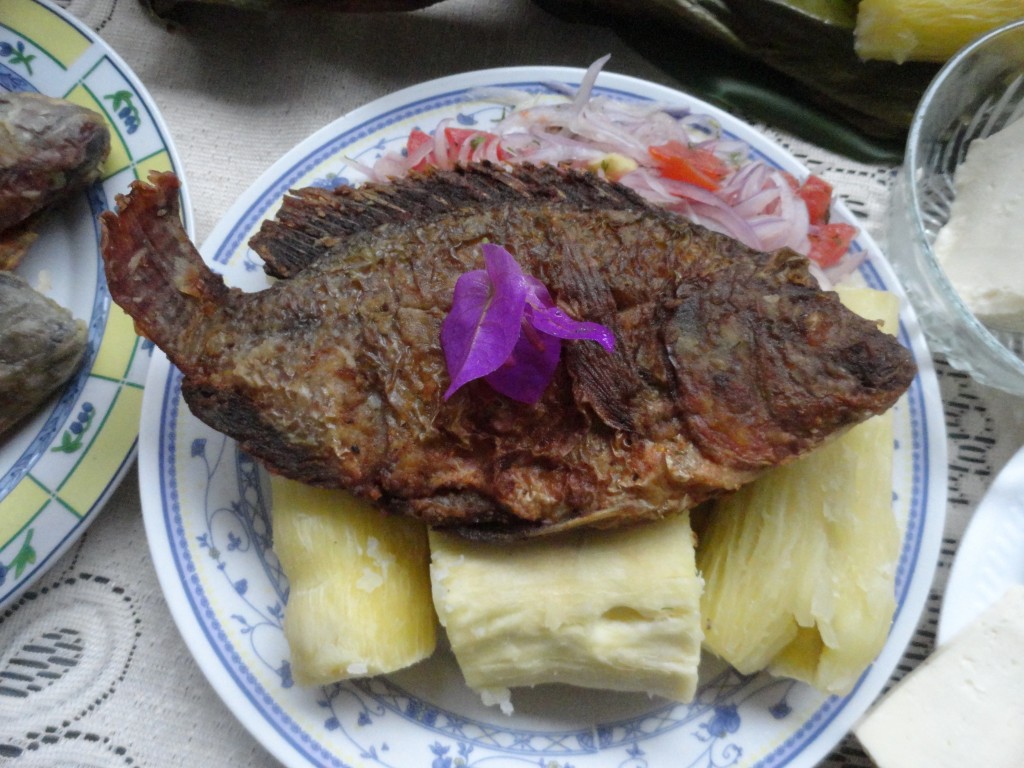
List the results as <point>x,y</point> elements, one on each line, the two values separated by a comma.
<point>93,671</point>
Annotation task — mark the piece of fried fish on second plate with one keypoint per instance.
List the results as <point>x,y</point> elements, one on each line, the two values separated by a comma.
<point>41,347</point>
<point>50,148</point>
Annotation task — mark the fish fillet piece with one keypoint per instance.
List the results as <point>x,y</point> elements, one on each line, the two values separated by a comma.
<point>727,362</point>
<point>41,347</point>
<point>49,149</point>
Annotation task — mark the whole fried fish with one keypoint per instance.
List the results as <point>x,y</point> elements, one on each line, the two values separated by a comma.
<point>49,149</point>
<point>41,347</point>
<point>727,361</point>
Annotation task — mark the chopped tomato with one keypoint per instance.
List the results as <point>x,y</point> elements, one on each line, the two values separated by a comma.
<point>830,242</point>
<point>817,194</point>
<point>456,140</point>
<point>457,137</point>
<point>416,141</point>
<point>702,167</point>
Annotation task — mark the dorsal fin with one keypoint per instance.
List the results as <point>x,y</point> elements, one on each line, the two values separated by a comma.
<point>313,222</point>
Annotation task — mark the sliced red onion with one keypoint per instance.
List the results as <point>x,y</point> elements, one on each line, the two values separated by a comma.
<point>373,173</point>
<point>773,231</point>
<point>721,218</point>
<point>441,146</point>
<point>587,84</point>
<point>756,203</point>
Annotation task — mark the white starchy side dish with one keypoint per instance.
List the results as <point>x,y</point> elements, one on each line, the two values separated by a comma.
<point>799,565</point>
<point>614,609</point>
<point>964,705</point>
<point>979,247</point>
<point>359,597</point>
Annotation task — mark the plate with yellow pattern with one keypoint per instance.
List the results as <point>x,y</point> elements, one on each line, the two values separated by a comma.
<point>60,465</point>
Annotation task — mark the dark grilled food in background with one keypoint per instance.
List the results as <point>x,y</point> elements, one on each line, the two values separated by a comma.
<point>727,362</point>
<point>171,10</point>
<point>789,63</point>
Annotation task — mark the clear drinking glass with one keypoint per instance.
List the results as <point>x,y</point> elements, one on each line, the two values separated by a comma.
<point>978,92</point>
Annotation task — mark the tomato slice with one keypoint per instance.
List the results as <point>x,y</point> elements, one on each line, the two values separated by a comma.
<point>817,195</point>
<point>457,137</point>
<point>830,242</point>
<point>456,140</point>
<point>679,161</point>
<point>416,141</point>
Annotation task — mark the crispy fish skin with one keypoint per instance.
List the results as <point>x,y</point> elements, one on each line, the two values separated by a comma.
<point>49,149</point>
<point>312,223</point>
<point>41,347</point>
<point>727,362</point>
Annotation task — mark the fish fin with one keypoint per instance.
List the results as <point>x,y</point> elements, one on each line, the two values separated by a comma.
<point>153,271</point>
<point>314,222</point>
<point>605,382</point>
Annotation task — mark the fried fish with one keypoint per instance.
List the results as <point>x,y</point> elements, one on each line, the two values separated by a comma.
<point>727,361</point>
<point>49,149</point>
<point>41,347</point>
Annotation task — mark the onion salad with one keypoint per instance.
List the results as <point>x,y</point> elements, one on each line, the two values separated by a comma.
<point>670,156</point>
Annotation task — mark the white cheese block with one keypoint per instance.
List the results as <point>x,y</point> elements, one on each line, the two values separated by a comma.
<point>979,247</point>
<point>964,706</point>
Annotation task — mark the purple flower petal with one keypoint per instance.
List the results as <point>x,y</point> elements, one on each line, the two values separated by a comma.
<point>552,320</point>
<point>530,367</point>
<point>537,293</point>
<point>482,327</point>
<point>504,326</point>
<point>543,315</point>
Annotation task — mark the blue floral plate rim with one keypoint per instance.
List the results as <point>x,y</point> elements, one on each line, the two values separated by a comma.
<point>206,528</point>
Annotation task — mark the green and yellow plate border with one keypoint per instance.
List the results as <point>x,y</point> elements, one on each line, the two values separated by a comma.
<point>55,480</point>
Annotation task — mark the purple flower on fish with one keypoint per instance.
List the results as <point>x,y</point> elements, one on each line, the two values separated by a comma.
<point>504,327</point>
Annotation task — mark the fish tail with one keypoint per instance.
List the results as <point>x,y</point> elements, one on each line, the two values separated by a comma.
<point>153,270</point>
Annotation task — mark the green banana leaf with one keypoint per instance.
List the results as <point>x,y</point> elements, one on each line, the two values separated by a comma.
<point>790,63</point>
<point>169,10</point>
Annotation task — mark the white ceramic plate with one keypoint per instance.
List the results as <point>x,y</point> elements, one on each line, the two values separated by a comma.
<point>990,558</point>
<point>207,519</point>
<point>60,466</point>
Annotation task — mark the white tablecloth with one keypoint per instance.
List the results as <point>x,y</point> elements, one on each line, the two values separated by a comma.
<point>93,671</point>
